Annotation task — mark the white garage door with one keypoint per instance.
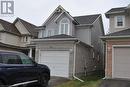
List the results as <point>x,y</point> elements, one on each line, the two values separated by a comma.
<point>121,62</point>
<point>57,61</point>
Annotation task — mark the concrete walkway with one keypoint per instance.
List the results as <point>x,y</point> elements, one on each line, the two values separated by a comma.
<point>115,83</point>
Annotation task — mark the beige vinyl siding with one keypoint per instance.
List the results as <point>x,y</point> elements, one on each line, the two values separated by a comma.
<point>84,35</point>
<point>54,26</point>
<point>10,39</point>
<point>84,61</point>
<point>112,22</point>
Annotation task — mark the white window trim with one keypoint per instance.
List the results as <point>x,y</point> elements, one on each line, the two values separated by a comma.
<point>116,21</point>
<point>64,23</point>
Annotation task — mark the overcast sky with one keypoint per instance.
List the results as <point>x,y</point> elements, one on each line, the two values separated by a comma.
<point>37,11</point>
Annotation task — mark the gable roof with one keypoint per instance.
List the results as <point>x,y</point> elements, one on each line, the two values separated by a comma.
<point>59,36</point>
<point>30,27</point>
<point>87,19</point>
<point>79,20</point>
<point>62,10</point>
<point>115,10</point>
<point>9,27</point>
<point>120,33</point>
<point>120,9</point>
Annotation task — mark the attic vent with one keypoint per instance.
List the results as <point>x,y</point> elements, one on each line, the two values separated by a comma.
<point>59,10</point>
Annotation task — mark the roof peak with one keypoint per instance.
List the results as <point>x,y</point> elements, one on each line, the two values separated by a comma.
<point>23,20</point>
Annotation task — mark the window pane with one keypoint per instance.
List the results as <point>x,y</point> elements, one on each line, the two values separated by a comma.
<point>119,20</point>
<point>64,20</point>
<point>49,33</point>
<point>66,28</point>
<point>62,28</point>
<point>40,33</point>
<point>25,59</point>
<point>43,33</point>
<point>11,59</point>
<point>119,23</point>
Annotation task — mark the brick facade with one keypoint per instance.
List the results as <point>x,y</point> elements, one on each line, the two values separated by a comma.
<point>109,44</point>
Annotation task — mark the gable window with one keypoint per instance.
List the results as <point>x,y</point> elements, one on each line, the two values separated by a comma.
<point>120,21</point>
<point>64,26</point>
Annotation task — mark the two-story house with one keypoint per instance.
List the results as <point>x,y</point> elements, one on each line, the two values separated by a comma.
<point>15,36</point>
<point>70,46</point>
<point>118,43</point>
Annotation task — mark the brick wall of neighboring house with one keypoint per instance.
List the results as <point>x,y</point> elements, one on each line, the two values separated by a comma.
<point>109,44</point>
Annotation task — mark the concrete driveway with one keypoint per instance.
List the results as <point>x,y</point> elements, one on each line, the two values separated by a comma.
<point>115,83</point>
<point>54,81</point>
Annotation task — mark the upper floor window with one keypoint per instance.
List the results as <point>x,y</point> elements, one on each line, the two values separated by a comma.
<point>40,33</point>
<point>64,26</point>
<point>24,39</point>
<point>120,21</point>
<point>50,32</point>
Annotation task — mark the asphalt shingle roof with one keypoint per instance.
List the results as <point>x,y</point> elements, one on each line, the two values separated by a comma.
<point>30,27</point>
<point>116,10</point>
<point>120,33</point>
<point>9,27</point>
<point>88,19</point>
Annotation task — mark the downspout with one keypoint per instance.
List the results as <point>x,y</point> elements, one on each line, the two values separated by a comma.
<point>74,76</point>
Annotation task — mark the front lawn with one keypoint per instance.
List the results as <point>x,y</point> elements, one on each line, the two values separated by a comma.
<point>91,81</point>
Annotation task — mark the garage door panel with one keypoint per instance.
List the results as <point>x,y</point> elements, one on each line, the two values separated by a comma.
<point>57,61</point>
<point>121,65</point>
<point>49,56</point>
<point>61,60</point>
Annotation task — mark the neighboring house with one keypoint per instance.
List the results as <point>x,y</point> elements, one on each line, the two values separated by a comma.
<point>70,46</point>
<point>118,43</point>
<point>15,36</point>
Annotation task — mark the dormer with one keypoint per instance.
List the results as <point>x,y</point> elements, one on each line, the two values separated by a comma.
<point>119,18</point>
